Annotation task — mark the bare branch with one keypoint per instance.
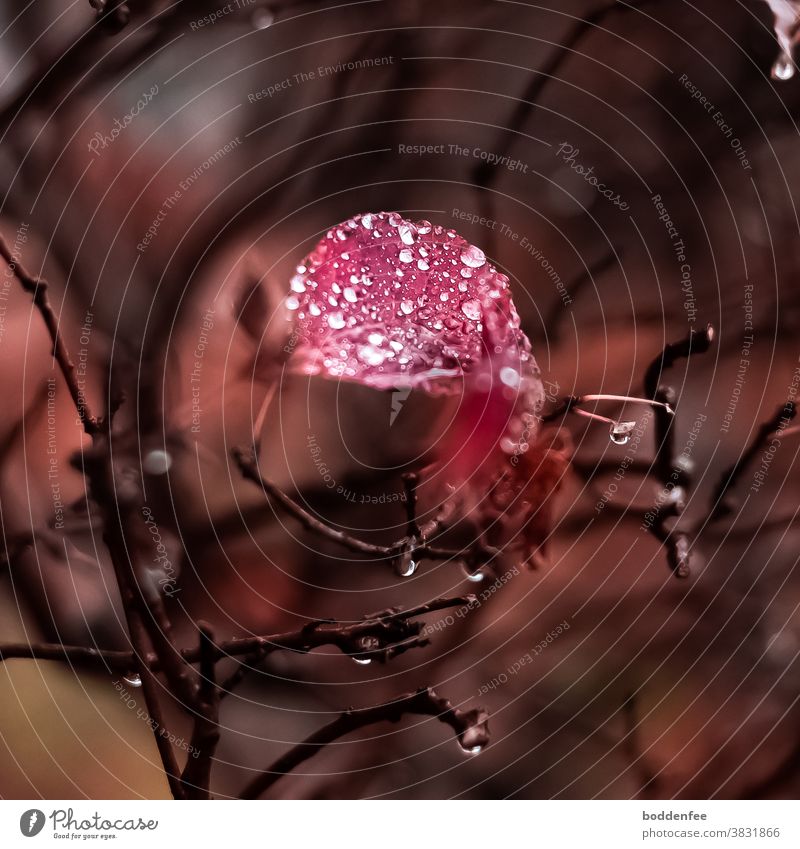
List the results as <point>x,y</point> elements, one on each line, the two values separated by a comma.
<point>205,735</point>
<point>471,728</point>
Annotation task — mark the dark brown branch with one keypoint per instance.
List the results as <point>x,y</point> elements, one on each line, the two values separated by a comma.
<point>37,287</point>
<point>674,477</point>
<point>98,471</point>
<point>248,465</point>
<point>205,734</point>
<point>471,728</point>
<point>390,627</point>
<point>722,500</point>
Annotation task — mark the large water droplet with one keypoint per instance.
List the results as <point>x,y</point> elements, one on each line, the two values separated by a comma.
<point>783,68</point>
<point>407,233</point>
<point>475,576</point>
<point>473,256</point>
<point>509,376</point>
<point>157,462</point>
<point>262,18</point>
<point>371,355</point>
<point>471,309</point>
<point>336,320</point>
<point>405,255</point>
<point>132,679</point>
<point>620,432</point>
<point>406,564</point>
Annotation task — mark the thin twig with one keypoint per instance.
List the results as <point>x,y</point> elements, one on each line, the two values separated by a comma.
<point>389,627</point>
<point>471,728</point>
<point>248,465</point>
<point>37,288</point>
<point>722,502</point>
<point>206,733</point>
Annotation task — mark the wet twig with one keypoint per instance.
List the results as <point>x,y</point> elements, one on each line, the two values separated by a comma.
<point>471,728</point>
<point>389,627</point>
<point>196,776</point>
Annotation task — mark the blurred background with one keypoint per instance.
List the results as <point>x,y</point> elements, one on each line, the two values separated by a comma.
<point>167,177</point>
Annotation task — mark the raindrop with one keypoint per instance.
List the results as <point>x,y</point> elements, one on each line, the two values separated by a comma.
<point>406,564</point>
<point>132,679</point>
<point>620,432</point>
<point>475,576</point>
<point>262,18</point>
<point>473,256</point>
<point>292,302</point>
<point>406,307</point>
<point>473,739</point>
<point>509,376</point>
<point>336,320</point>
<point>371,355</point>
<point>407,233</point>
<point>405,255</point>
<point>783,69</point>
<point>471,309</point>
<point>157,462</point>
<point>422,265</point>
<point>350,295</point>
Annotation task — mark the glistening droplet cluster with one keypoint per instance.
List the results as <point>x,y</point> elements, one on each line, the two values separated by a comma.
<point>389,302</point>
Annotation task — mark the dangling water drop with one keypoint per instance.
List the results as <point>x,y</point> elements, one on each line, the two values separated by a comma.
<point>262,18</point>
<point>406,565</point>
<point>362,661</point>
<point>620,432</point>
<point>783,68</point>
<point>476,576</point>
<point>132,679</point>
<point>157,462</point>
